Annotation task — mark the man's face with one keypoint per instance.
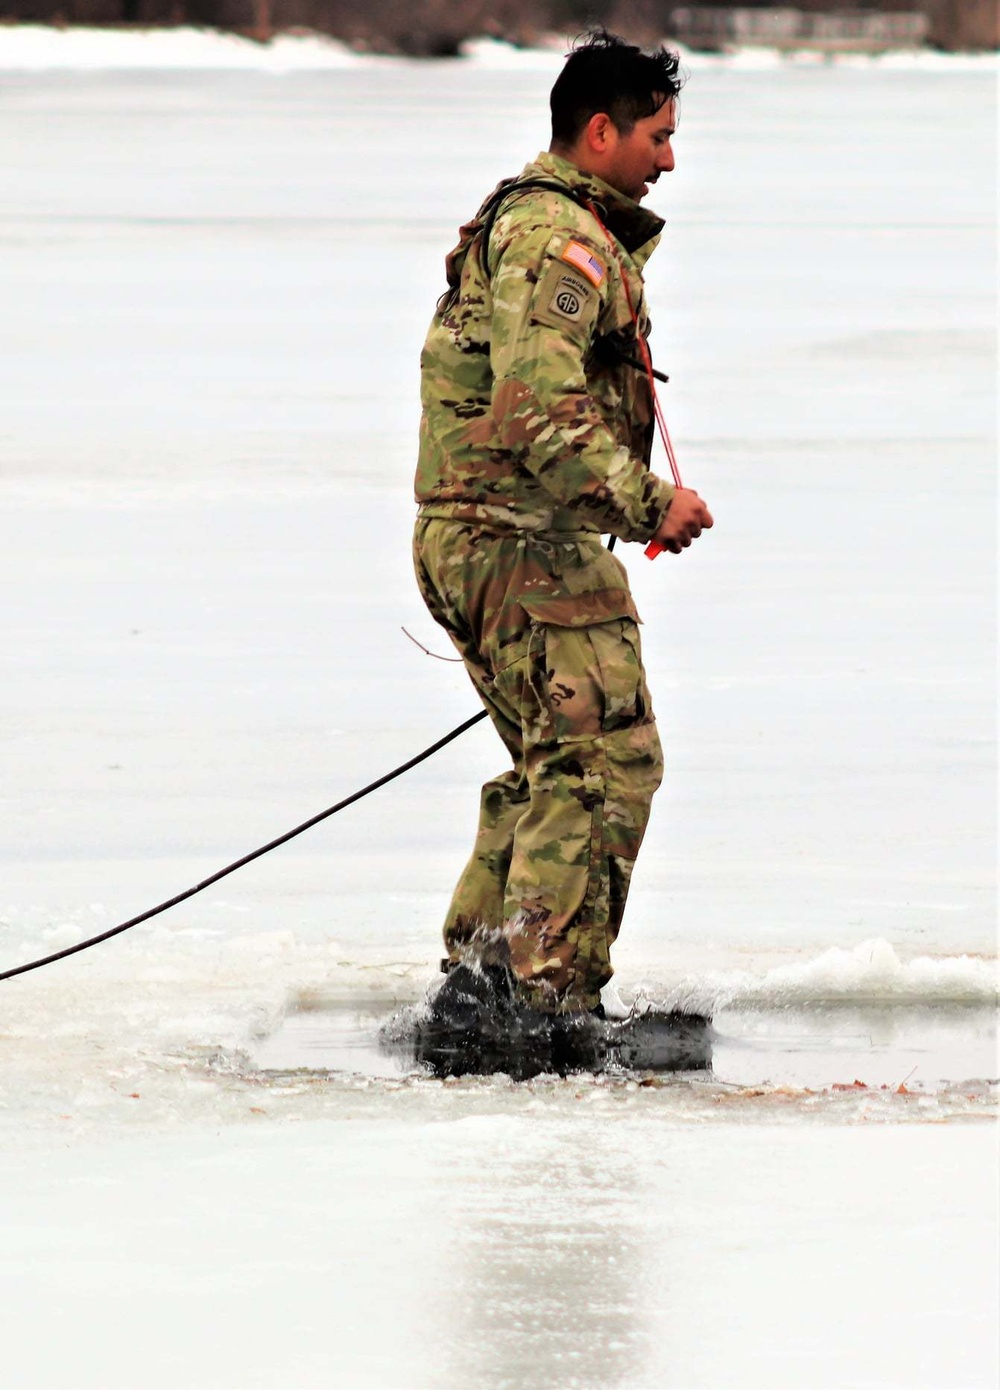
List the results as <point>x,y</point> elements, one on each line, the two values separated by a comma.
<point>637,159</point>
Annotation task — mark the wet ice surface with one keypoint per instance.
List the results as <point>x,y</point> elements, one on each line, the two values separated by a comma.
<point>561,1246</point>
<point>215,287</point>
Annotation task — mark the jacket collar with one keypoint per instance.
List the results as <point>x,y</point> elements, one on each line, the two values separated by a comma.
<point>633,225</point>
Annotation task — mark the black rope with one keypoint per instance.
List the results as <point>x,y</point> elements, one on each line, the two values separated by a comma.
<point>247,858</point>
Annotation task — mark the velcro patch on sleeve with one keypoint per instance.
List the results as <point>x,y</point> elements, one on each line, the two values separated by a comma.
<point>568,298</point>
<point>564,298</point>
<point>576,254</point>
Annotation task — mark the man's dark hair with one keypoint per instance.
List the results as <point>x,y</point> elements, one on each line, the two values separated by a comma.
<point>604,73</point>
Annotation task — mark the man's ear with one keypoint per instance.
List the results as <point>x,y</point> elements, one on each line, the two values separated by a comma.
<point>599,132</point>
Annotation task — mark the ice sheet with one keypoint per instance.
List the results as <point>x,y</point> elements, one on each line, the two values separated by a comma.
<point>566,1245</point>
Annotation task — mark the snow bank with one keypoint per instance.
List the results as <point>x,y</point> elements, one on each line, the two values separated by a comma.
<point>40,48</point>
<point>870,972</point>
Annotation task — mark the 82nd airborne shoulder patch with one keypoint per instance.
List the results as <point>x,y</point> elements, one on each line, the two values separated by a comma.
<point>568,297</point>
<point>564,297</point>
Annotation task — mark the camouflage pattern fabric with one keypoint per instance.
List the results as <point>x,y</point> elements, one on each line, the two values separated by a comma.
<point>535,439</point>
<point>530,417</point>
<point>549,634</point>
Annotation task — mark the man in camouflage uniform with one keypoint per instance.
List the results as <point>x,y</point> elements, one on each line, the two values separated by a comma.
<point>535,440</point>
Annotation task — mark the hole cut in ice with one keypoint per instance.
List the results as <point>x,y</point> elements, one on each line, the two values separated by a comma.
<point>882,1043</point>
<point>337,1036</point>
<point>926,1047</point>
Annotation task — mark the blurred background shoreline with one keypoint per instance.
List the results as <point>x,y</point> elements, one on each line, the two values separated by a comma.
<point>442,28</point>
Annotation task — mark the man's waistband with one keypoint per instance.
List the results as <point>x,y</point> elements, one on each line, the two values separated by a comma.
<point>504,521</point>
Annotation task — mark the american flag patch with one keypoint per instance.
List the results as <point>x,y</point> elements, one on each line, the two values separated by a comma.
<point>584,260</point>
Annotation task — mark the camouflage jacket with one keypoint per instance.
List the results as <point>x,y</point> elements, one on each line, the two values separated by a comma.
<point>531,417</point>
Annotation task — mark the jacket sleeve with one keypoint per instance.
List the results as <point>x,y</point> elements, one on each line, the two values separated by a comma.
<point>545,314</point>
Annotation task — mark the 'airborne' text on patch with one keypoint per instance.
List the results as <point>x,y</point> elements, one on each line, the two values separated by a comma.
<point>568,298</point>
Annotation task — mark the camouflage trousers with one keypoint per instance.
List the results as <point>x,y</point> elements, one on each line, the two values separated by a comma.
<point>549,634</point>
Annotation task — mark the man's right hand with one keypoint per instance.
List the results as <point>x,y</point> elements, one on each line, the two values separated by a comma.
<point>684,520</point>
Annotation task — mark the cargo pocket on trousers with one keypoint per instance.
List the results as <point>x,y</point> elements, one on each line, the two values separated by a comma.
<point>586,662</point>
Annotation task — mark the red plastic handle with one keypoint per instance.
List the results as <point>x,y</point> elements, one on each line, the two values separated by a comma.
<point>652,550</point>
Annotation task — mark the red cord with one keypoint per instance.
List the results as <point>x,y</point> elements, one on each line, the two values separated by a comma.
<point>653,548</point>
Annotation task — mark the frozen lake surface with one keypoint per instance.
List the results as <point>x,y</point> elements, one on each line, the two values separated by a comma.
<point>215,287</point>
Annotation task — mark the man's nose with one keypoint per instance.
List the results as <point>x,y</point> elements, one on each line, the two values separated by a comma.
<point>665,160</point>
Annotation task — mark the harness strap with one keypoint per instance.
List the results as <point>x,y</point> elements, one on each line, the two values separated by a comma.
<point>496,199</point>
<point>647,361</point>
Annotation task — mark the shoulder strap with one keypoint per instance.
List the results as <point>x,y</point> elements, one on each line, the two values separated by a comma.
<point>494,203</point>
